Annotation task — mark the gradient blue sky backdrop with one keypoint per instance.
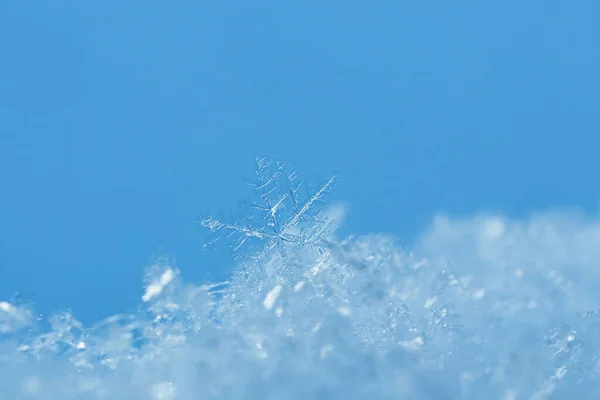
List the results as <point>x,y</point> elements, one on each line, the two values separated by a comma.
<point>121,122</point>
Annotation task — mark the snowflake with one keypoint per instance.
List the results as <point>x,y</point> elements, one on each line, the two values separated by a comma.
<point>278,217</point>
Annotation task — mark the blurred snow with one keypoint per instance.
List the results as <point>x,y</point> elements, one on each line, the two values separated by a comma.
<point>13,318</point>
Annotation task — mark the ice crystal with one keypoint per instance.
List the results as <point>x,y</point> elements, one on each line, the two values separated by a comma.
<point>278,214</point>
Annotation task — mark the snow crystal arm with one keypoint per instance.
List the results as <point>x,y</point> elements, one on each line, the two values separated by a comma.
<point>308,205</point>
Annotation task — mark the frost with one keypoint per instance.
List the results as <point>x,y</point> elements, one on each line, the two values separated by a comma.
<point>478,308</point>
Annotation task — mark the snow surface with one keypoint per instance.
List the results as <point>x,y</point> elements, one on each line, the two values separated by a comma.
<point>477,308</point>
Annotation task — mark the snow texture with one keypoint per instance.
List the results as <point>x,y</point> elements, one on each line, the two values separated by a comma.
<point>478,308</point>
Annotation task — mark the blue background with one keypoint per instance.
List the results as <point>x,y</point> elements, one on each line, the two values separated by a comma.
<point>121,122</point>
